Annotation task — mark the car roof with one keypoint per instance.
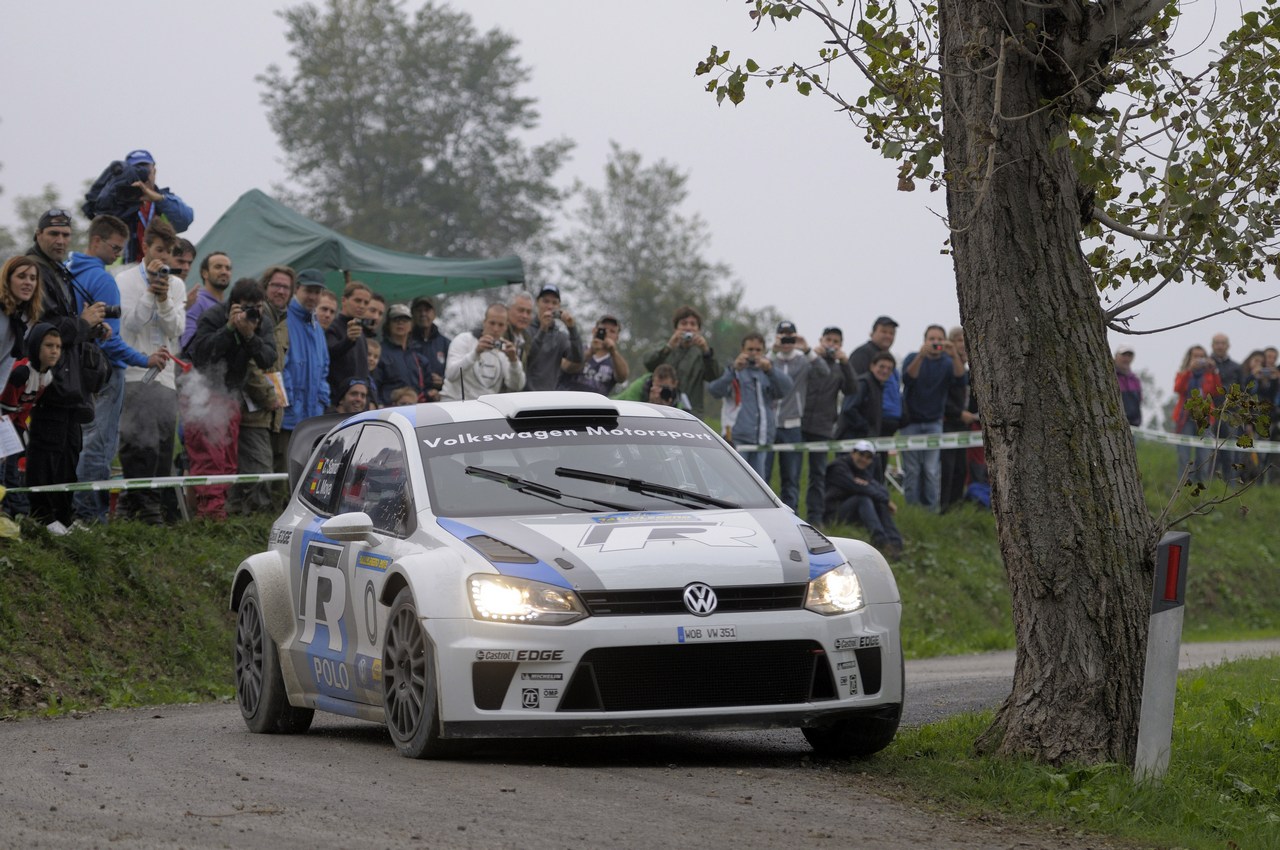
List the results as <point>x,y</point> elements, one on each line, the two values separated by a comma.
<point>526,405</point>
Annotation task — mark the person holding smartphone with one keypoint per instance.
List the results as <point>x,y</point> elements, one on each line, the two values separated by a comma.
<point>603,367</point>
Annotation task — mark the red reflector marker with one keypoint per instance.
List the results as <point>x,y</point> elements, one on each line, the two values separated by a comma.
<point>1171,574</point>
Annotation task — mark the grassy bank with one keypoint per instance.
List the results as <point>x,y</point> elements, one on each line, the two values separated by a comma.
<point>128,614</point>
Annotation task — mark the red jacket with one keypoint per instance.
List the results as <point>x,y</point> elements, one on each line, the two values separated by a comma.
<point>1209,386</point>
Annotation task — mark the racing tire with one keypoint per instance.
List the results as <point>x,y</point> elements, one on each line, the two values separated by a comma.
<point>260,692</point>
<point>854,739</point>
<point>410,685</point>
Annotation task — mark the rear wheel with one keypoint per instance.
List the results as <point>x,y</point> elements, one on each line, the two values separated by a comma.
<point>259,685</point>
<point>858,738</point>
<point>410,686</point>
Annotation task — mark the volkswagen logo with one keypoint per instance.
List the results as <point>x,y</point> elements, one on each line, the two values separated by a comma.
<point>700,599</point>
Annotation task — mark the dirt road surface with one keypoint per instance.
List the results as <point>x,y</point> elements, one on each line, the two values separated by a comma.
<point>192,776</point>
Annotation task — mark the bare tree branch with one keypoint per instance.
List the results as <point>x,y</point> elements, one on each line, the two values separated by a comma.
<point>1101,217</point>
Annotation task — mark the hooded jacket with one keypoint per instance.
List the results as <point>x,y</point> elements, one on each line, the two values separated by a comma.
<point>306,368</point>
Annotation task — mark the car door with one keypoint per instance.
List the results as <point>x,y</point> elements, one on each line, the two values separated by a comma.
<point>376,482</point>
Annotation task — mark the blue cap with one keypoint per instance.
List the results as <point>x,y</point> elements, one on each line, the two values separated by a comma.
<point>139,156</point>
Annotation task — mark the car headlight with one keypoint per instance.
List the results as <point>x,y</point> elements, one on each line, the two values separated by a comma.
<point>507,599</point>
<point>836,591</point>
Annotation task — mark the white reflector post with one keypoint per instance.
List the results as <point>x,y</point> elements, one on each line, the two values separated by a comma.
<point>1164,642</point>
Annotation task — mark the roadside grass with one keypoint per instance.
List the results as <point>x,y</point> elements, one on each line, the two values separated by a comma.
<point>1222,789</point>
<point>123,615</point>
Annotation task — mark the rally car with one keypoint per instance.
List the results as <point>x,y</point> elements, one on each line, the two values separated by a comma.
<point>556,564</point>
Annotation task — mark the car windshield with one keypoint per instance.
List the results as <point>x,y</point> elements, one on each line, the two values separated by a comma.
<point>641,464</point>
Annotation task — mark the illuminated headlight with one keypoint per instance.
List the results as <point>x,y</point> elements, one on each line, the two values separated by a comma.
<point>507,599</point>
<point>836,591</point>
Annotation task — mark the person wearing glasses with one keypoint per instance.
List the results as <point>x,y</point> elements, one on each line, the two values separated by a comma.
<point>107,238</point>
<point>854,496</point>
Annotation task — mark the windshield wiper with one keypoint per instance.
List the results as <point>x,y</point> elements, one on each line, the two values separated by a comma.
<point>638,485</point>
<point>541,491</point>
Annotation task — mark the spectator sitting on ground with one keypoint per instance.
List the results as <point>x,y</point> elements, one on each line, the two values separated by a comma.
<point>603,366</point>
<point>690,354</point>
<point>854,496</point>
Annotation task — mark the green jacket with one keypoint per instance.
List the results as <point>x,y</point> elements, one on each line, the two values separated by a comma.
<point>693,369</point>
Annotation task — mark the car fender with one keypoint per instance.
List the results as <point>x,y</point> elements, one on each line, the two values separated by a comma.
<point>878,583</point>
<point>437,580</point>
<point>271,574</point>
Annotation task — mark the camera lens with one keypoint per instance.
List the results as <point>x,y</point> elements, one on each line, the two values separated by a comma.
<point>688,335</point>
<point>111,312</point>
<point>788,340</point>
<point>667,394</point>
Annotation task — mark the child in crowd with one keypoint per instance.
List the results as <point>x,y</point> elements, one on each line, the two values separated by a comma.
<point>374,347</point>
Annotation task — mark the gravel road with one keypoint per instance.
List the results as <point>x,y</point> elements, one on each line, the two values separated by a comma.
<point>192,776</point>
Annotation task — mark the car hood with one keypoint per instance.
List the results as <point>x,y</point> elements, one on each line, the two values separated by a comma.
<point>629,551</point>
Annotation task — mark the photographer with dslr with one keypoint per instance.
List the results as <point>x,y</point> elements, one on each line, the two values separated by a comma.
<point>107,236</point>
<point>603,366</point>
<point>128,191</point>
<point>228,338</point>
<point>792,355</point>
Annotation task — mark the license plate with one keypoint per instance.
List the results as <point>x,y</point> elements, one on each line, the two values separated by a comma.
<point>703,634</point>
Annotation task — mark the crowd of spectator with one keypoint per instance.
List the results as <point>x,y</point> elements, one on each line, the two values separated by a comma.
<point>112,353</point>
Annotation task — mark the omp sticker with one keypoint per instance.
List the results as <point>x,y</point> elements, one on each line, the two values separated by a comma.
<point>550,693</point>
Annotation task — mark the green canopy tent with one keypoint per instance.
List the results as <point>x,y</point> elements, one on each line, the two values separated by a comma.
<point>258,231</point>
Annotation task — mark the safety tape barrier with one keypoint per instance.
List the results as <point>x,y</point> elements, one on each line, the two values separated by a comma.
<point>899,443</point>
<point>151,483</point>
<point>968,439</point>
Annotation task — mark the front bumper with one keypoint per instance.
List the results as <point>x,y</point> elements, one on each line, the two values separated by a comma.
<point>628,675</point>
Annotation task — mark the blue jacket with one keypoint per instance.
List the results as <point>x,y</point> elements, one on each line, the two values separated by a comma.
<point>925,395</point>
<point>399,367</point>
<point>432,349</point>
<point>96,283</point>
<point>759,393</point>
<point>306,367</point>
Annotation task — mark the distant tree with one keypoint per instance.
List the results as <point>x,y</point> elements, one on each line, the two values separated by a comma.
<point>405,130</point>
<point>632,252</point>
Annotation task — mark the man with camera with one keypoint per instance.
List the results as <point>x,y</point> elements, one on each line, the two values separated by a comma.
<point>552,350</point>
<point>821,410</point>
<point>128,191</point>
<point>928,375</point>
<point>792,355</point>
<point>603,366</point>
<point>689,352</point>
<point>757,385</point>
<point>107,237</point>
<point>483,361</point>
<point>345,336</point>
<point>153,315</point>
<point>429,344</point>
<point>228,338</point>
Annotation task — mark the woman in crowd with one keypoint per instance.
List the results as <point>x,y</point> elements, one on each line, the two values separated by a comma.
<point>1197,373</point>
<point>1261,384</point>
<point>20,300</point>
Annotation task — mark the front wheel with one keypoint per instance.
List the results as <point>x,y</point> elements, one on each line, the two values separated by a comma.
<point>410,686</point>
<point>859,738</point>
<point>264,705</point>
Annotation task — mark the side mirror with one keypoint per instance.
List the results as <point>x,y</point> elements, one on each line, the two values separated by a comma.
<point>352,527</point>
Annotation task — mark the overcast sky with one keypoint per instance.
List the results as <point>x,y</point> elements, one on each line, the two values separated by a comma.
<point>806,215</point>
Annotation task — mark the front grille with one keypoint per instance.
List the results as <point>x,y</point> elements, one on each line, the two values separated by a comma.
<point>712,675</point>
<point>762,597</point>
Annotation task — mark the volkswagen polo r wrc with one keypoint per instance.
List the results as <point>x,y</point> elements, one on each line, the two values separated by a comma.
<point>556,564</point>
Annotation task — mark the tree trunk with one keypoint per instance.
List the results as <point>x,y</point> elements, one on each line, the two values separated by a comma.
<point>1076,537</point>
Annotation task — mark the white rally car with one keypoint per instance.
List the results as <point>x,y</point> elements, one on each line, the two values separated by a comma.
<point>556,564</point>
